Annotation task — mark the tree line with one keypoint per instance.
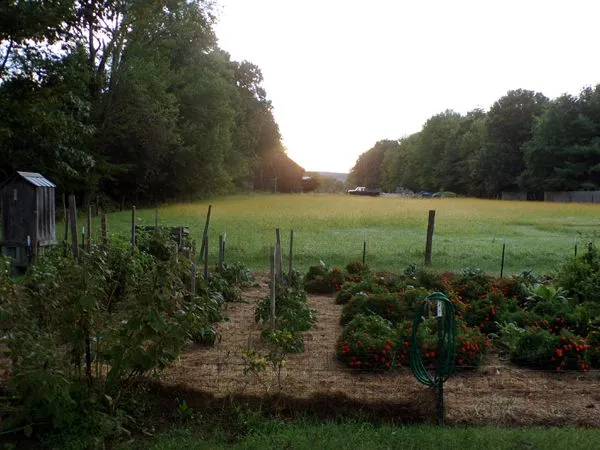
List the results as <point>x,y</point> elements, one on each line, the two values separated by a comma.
<point>525,142</point>
<point>133,98</point>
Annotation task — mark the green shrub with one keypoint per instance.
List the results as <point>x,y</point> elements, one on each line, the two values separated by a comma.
<point>367,343</point>
<point>230,291</point>
<point>392,307</point>
<point>322,281</point>
<point>471,344</point>
<point>292,311</point>
<point>126,313</point>
<point>593,340</point>
<point>367,286</point>
<point>539,348</point>
<point>471,284</point>
<point>581,278</point>
<point>429,279</point>
<point>236,274</point>
<point>357,268</point>
<point>283,339</point>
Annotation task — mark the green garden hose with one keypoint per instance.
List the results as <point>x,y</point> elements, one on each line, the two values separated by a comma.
<point>444,362</point>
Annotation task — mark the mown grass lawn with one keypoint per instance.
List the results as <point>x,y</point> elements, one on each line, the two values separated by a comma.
<point>468,232</point>
<point>311,436</point>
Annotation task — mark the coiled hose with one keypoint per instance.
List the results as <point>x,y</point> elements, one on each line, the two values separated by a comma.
<point>444,361</point>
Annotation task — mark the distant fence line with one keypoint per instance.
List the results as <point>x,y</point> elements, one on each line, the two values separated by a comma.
<point>558,196</point>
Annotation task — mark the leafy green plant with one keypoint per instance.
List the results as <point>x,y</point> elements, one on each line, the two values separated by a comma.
<point>283,339</point>
<point>367,343</point>
<point>581,278</point>
<point>539,348</point>
<point>388,306</point>
<point>83,334</point>
<point>292,311</point>
<point>236,274</point>
<point>230,291</point>
<point>320,280</point>
<point>357,268</point>
<point>507,337</point>
<point>183,411</point>
<point>364,286</point>
<point>471,345</point>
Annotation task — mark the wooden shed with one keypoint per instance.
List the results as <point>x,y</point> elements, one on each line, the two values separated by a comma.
<point>28,216</point>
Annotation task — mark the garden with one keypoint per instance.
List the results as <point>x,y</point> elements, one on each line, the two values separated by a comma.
<point>125,340</point>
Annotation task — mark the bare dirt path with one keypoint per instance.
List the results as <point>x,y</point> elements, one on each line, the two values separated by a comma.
<point>498,393</point>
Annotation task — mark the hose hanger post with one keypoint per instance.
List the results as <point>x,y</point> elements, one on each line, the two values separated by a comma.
<point>445,319</point>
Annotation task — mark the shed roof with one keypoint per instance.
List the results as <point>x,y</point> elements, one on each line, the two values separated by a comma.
<point>36,179</point>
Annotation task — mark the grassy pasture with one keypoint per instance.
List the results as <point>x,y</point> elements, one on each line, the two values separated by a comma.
<point>468,232</point>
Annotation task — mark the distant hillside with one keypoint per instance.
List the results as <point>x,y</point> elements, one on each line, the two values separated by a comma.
<point>338,176</point>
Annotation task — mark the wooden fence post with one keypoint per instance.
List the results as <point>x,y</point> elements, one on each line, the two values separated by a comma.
<point>104,230</point>
<point>133,229</point>
<point>502,264</point>
<point>205,233</point>
<point>73,220</point>
<point>220,263</point>
<point>65,217</point>
<point>224,244</point>
<point>89,229</point>
<point>273,258</point>
<point>193,281</point>
<point>205,246</point>
<point>291,257</point>
<point>278,257</point>
<point>429,244</point>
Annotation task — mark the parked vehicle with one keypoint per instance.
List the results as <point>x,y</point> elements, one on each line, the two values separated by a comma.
<point>361,190</point>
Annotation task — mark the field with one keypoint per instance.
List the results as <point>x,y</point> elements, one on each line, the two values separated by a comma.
<point>468,232</point>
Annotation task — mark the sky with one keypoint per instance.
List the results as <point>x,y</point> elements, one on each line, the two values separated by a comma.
<point>343,74</point>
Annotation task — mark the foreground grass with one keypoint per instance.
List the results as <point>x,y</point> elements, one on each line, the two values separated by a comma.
<point>358,435</point>
<point>468,232</point>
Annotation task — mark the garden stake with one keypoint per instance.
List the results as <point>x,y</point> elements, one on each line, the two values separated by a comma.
<point>205,254</point>
<point>446,345</point>
<point>205,233</point>
<point>273,259</point>
<point>278,256</point>
<point>364,249</point>
<point>575,243</point>
<point>502,264</point>
<point>291,256</point>
<point>156,217</point>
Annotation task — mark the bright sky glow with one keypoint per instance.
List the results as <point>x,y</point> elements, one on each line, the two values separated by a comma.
<point>343,74</point>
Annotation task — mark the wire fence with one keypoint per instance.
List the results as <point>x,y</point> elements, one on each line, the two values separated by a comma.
<point>395,250</point>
